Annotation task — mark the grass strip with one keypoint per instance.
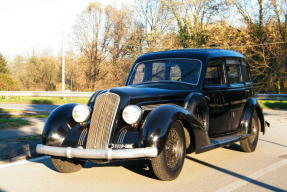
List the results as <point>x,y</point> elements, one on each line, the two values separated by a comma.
<point>13,113</point>
<point>26,138</point>
<point>42,100</point>
<point>279,105</point>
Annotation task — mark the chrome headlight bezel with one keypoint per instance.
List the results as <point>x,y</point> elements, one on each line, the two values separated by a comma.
<point>81,113</point>
<point>132,114</point>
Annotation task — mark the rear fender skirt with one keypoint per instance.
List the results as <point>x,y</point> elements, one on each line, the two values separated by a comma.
<point>158,123</point>
<point>251,106</point>
<point>61,130</point>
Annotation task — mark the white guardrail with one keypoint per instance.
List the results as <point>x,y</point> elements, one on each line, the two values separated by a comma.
<point>279,97</point>
<point>45,93</point>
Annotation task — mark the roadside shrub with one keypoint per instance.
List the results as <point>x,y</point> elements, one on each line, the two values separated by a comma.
<point>7,83</point>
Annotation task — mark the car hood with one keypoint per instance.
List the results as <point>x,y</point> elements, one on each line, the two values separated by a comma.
<point>142,95</point>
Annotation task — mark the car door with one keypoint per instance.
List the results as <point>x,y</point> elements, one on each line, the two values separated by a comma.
<point>215,87</point>
<point>237,92</point>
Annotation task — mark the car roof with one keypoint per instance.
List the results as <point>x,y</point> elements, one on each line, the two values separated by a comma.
<point>201,54</point>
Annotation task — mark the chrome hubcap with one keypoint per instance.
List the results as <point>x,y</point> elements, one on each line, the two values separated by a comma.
<point>173,149</point>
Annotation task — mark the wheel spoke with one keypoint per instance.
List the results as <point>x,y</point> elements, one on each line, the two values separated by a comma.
<point>172,149</point>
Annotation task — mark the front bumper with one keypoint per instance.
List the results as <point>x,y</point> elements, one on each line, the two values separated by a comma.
<point>108,154</point>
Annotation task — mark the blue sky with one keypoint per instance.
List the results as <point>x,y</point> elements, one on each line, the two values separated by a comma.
<point>28,25</point>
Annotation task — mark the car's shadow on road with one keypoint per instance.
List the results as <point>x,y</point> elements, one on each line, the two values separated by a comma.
<point>141,167</point>
<point>237,175</point>
<point>233,147</point>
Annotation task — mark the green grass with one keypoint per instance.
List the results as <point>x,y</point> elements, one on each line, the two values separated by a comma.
<point>282,105</point>
<point>7,122</point>
<point>42,100</point>
<point>36,116</point>
<point>27,138</point>
<point>11,118</point>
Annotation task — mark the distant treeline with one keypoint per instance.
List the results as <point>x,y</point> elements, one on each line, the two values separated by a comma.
<point>106,40</point>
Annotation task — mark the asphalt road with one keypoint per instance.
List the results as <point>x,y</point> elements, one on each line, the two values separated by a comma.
<point>223,169</point>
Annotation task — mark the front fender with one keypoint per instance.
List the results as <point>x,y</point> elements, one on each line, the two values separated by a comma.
<point>60,128</point>
<point>159,121</point>
<point>251,106</point>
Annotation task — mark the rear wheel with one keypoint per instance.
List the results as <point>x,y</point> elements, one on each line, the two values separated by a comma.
<point>249,144</point>
<point>64,165</point>
<point>168,164</point>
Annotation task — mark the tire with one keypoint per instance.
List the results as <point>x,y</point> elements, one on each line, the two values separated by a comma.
<point>64,165</point>
<point>168,164</point>
<point>249,144</point>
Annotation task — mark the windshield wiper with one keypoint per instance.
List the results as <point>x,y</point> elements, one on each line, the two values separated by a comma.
<point>156,74</point>
<point>185,75</point>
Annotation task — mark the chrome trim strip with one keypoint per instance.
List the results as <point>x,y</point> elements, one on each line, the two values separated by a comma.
<point>123,135</point>
<point>153,106</point>
<point>82,136</point>
<point>97,153</point>
<point>114,117</point>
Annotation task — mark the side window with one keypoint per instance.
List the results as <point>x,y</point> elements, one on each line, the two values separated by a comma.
<point>215,73</point>
<point>245,72</point>
<point>175,72</point>
<point>233,71</point>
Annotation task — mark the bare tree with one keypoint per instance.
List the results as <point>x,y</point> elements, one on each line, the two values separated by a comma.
<point>91,35</point>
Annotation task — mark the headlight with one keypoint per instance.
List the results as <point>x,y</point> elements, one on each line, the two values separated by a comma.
<point>81,113</point>
<point>132,114</point>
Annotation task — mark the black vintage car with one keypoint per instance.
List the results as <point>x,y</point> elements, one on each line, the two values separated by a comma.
<point>174,103</point>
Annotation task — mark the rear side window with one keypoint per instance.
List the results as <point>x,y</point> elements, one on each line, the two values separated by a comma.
<point>233,71</point>
<point>215,73</point>
<point>245,72</point>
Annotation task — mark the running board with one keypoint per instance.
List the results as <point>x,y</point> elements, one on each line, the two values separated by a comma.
<point>222,141</point>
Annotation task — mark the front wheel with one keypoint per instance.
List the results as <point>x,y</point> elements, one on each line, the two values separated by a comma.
<point>249,144</point>
<point>168,164</point>
<point>64,165</point>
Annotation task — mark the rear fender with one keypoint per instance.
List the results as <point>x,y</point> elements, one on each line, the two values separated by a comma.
<point>159,122</point>
<point>251,106</point>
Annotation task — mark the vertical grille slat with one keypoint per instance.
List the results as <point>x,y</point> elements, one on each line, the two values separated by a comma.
<point>105,109</point>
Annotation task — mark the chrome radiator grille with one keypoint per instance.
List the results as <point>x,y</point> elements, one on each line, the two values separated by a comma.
<point>102,121</point>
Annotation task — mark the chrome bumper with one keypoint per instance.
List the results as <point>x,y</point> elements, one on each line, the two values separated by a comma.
<point>108,154</point>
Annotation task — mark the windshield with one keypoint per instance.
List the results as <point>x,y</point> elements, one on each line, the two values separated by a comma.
<point>180,70</point>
